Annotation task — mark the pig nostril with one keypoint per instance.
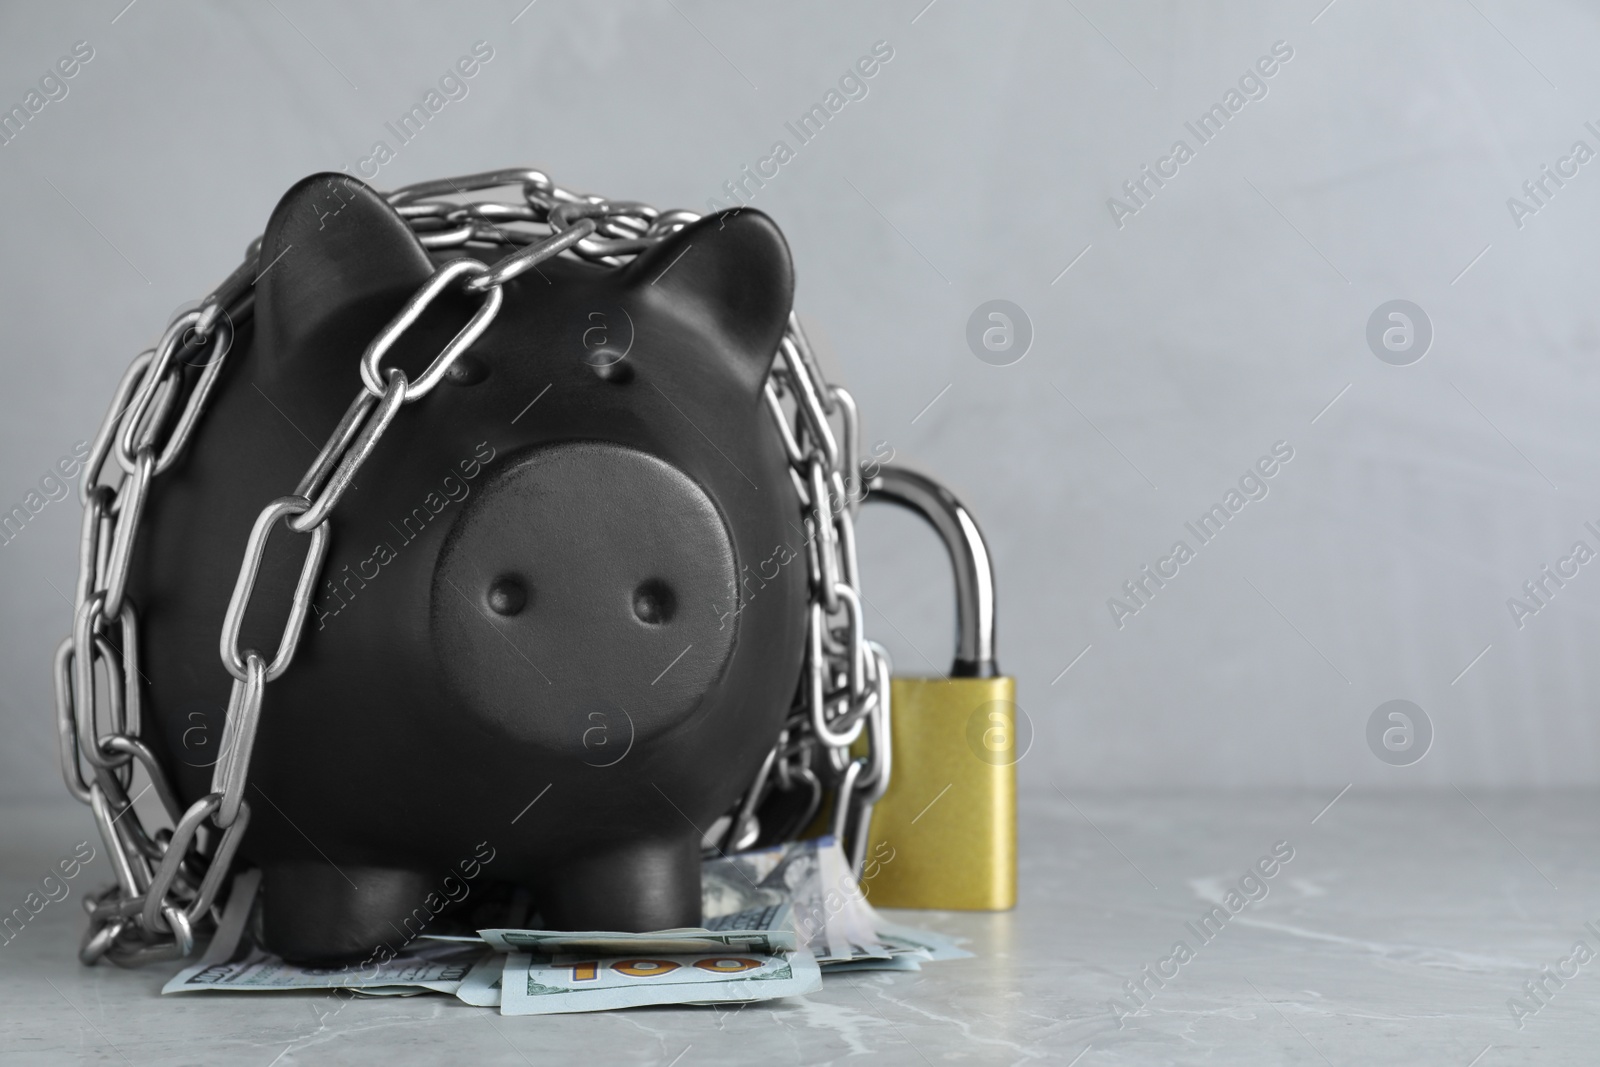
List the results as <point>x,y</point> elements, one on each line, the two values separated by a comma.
<point>466,370</point>
<point>618,372</point>
<point>653,602</point>
<point>507,596</point>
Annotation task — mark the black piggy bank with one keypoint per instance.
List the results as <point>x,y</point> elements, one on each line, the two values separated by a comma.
<point>522,654</point>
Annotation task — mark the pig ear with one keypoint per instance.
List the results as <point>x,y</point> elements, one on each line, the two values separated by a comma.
<point>332,242</point>
<point>731,275</point>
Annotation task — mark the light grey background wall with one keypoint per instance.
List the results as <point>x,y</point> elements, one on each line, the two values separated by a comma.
<point>1173,346</point>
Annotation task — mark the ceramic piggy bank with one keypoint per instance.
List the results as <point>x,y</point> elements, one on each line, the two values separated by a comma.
<point>520,664</point>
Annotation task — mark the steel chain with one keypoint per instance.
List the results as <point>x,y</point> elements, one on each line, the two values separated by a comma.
<point>168,881</point>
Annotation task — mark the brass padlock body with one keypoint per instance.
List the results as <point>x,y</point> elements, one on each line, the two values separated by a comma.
<point>945,833</point>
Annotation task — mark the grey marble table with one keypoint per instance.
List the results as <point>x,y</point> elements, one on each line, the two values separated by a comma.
<point>1397,933</point>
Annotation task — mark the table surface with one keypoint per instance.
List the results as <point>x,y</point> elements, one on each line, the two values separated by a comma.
<point>1397,933</point>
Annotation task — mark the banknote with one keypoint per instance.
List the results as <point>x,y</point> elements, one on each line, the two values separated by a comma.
<point>233,960</point>
<point>902,939</point>
<point>906,950</point>
<point>907,962</point>
<point>832,917</point>
<point>847,907</point>
<point>481,986</point>
<point>546,985</point>
<point>733,883</point>
<point>794,872</point>
<point>765,929</point>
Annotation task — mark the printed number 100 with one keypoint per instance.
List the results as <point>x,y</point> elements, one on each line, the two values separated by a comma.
<point>589,970</point>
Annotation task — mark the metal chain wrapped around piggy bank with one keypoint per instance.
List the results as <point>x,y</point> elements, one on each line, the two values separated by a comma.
<point>516,585</point>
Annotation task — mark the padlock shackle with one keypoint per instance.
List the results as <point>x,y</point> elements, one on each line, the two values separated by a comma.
<point>969,556</point>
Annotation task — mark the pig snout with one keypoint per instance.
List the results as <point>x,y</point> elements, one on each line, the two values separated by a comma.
<point>580,604</point>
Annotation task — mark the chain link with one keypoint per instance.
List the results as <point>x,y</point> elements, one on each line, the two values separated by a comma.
<point>169,879</point>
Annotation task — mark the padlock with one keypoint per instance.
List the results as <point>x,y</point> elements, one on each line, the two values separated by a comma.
<point>944,835</point>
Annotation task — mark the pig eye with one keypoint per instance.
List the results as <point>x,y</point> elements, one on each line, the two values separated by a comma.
<point>653,602</point>
<point>507,596</point>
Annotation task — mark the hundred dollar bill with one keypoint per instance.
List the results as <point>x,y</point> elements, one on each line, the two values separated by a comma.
<point>907,939</point>
<point>737,882</point>
<point>832,916</point>
<point>544,985</point>
<point>767,929</point>
<point>906,953</point>
<point>798,872</point>
<point>848,910</point>
<point>481,986</point>
<point>233,961</point>
<point>907,962</point>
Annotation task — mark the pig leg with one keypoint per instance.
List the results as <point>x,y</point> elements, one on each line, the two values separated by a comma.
<point>313,912</point>
<point>631,886</point>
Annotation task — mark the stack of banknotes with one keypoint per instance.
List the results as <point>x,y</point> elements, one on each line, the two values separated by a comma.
<point>775,921</point>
